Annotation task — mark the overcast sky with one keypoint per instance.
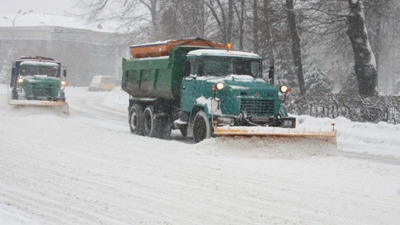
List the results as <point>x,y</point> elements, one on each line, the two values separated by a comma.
<point>58,7</point>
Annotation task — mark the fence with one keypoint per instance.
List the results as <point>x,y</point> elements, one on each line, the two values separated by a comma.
<point>355,108</point>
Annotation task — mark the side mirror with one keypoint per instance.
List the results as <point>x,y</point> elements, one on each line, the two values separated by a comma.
<point>271,72</point>
<point>65,73</point>
<point>13,77</point>
<point>271,75</point>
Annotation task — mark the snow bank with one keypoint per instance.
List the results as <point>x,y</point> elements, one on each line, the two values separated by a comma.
<point>381,139</point>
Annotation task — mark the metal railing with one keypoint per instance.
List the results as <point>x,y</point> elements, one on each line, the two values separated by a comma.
<point>355,108</point>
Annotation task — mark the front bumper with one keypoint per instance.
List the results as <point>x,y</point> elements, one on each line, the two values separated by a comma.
<point>244,120</point>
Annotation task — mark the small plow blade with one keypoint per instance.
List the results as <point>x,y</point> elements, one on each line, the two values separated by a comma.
<point>61,105</point>
<point>325,135</point>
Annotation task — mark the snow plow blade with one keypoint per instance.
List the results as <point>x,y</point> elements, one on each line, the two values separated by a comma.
<point>325,135</point>
<point>62,105</point>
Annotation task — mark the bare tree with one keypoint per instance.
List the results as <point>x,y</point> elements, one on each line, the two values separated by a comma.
<point>339,21</point>
<point>364,59</point>
<point>382,22</point>
<point>255,26</point>
<point>132,15</point>
<point>240,16</point>
<point>183,18</point>
<point>292,36</point>
<point>223,19</point>
<point>269,37</point>
<point>296,51</point>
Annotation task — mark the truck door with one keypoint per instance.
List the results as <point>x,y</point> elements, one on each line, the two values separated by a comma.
<point>191,85</point>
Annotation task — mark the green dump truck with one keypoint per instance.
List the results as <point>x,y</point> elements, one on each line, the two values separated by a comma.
<point>200,88</point>
<point>37,81</point>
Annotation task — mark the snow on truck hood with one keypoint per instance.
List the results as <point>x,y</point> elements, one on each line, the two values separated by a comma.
<point>39,63</point>
<point>232,77</point>
<point>40,78</point>
<point>236,82</point>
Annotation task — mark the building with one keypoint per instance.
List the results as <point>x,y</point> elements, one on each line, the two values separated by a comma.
<point>84,52</point>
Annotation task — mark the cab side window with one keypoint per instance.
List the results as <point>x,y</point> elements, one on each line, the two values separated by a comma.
<point>190,67</point>
<point>186,68</point>
<point>193,66</point>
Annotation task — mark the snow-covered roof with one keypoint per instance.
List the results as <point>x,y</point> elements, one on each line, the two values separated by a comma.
<point>222,52</point>
<point>39,63</point>
<point>151,43</point>
<point>41,19</point>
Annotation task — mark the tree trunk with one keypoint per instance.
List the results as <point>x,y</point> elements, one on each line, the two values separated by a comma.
<point>296,51</point>
<point>152,7</point>
<point>378,42</point>
<point>230,21</point>
<point>364,59</point>
<point>241,31</point>
<point>269,39</point>
<point>240,18</point>
<point>202,25</point>
<point>220,21</point>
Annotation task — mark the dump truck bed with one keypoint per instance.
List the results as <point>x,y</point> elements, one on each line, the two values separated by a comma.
<point>156,70</point>
<point>157,49</point>
<point>156,77</point>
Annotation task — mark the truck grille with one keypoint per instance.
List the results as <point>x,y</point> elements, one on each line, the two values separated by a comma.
<point>41,91</point>
<point>257,106</point>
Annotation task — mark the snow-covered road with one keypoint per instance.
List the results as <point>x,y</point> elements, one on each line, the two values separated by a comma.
<point>88,168</point>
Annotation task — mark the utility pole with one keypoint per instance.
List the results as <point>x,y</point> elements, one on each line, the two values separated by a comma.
<point>19,14</point>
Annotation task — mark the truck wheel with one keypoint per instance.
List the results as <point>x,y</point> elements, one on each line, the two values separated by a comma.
<point>201,127</point>
<point>136,119</point>
<point>151,125</point>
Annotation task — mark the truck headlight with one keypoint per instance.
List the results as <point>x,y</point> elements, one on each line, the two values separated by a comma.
<point>20,80</point>
<point>284,89</point>
<point>63,83</point>
<point>219,86</point>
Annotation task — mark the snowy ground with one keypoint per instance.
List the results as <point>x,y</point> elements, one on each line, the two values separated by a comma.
<point>88,168</point>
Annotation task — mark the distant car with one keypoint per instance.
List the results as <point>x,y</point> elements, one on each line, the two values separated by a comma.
<point>102,83</point>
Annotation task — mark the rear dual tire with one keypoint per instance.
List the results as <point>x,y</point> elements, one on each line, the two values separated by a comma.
<point>136,119</point>
<point>158,127</point>
<point>144,122</point>
<point>151,124</point>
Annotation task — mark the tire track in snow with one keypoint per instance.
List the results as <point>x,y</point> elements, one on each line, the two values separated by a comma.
<point>179,161</point>
<point>112,177</point>
<point>225,185</point>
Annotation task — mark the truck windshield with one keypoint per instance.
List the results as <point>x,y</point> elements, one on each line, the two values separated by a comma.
<point>39,69</point>
<point>223,66</point>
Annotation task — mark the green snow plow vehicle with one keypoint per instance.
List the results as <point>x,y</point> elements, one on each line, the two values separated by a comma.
<point>38,81</point>
<point>204,90</point>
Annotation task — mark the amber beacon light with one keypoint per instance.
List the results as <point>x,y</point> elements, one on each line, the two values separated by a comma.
<point>229,46</point>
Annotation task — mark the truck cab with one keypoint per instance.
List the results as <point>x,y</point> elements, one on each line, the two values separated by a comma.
<point>37,78</point>
<point>227,86</point>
